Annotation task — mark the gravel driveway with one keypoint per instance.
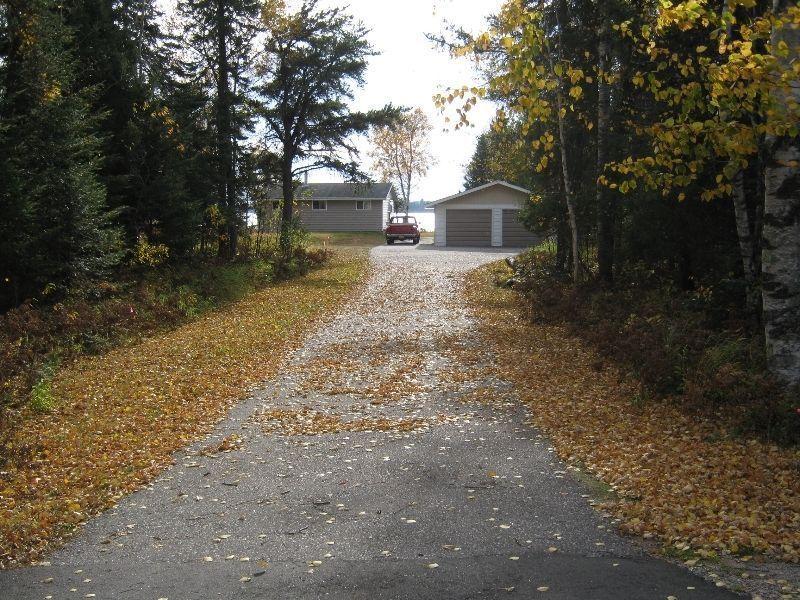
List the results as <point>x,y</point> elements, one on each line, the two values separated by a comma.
<point>376,466</point>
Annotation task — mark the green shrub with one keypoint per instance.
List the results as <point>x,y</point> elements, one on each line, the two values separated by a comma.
<point>42,400</point>
<point>41,395</point>
<point>149,255</point>
<point>187,301</point>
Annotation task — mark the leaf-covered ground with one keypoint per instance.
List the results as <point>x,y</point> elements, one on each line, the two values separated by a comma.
<point>120,416</point>
<point>385,459</point>
<point>685,481</point>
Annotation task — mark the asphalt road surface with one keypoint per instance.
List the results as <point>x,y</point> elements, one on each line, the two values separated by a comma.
<point>365,471</point>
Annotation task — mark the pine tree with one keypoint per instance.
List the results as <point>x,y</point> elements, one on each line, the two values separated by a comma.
<point>124,59</point>
<point>221,34</point>
<point>313,59</point>
<point>58,231</point>
<point>478,169</point>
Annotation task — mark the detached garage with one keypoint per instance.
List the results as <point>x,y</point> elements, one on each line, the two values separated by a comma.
<point>483,216</point>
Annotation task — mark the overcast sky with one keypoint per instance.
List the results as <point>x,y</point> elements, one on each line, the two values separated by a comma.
<point>410,71</point>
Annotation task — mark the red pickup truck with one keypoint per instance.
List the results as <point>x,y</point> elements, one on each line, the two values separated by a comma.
<point>401,228</point>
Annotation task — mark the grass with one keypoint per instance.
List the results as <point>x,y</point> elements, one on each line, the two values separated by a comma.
<point>42,400</point>
<point>598,489</point>
<point>348,238</point>
<point>365,239</point>
<point>89,449</point>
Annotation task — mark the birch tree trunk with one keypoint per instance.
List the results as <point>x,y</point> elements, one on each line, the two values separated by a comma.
<point>781,236</point>
<point>569,194</point>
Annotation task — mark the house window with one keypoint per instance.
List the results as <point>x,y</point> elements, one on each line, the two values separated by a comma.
<point>319,205</point>
<point>363,204</point>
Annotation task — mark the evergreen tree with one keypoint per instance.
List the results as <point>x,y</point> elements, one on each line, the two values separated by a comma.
<point>477,173</point>
<point>55,230</point>
<point>221,34</point>
<point>125,60</point>
<point>312,60</point>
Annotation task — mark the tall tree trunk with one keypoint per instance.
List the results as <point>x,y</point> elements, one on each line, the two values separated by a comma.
<point>223,117</point>
<point>287,180</point>
<point>747,246</point>
<point>781,242</point>
<point>563,248</point>
<point>606,207</point>
<point>569,195</point>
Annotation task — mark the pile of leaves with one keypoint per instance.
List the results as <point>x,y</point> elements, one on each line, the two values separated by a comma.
<point>696,347</point>
<point>118,417</point>
<point>684,479</point>
<point>39,335</point>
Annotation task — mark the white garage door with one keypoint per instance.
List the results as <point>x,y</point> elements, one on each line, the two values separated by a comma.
<point>469,227</point>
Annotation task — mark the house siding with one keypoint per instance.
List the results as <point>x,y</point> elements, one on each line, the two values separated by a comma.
<point>440,229</point>
<point>387,211</point>
<point>342,216</point>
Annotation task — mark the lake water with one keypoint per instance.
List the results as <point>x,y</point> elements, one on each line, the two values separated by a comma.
<point>424,219</point>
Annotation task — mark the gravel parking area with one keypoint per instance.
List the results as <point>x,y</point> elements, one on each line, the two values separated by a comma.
<point>378,465</point>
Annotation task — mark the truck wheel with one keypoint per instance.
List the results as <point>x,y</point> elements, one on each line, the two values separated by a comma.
<point>416,241</point>
<point>389,241</point>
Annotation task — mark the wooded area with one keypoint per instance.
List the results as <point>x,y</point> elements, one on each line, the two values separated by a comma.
<point>128,134</point>
<point>648,347</point>
<point>661,142</point>
<point>135,148</point>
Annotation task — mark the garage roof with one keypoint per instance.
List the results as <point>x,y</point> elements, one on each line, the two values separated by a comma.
<point>479,188</point>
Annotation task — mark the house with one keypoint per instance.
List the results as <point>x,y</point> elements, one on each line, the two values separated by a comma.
<point>341,206</point>
<point>487,215</point>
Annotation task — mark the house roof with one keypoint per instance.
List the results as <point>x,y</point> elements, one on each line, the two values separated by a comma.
<point>338,191</point>
<point>479,188</point>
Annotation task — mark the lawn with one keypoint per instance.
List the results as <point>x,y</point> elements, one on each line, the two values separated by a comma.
<point>348,238</point>
<point>356,239</point>
<point>117,417</point>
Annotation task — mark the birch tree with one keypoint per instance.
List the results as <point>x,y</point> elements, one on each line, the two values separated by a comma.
<point>401,152</point>
<point>781,247</point>
<point>732,100</point>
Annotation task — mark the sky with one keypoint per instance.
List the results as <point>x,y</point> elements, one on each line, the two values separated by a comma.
<point>410,71</point>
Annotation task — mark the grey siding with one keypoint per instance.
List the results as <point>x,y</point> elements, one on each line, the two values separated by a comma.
<point>514,233</point>
<point>341,216</point>
<point>469,227</point>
